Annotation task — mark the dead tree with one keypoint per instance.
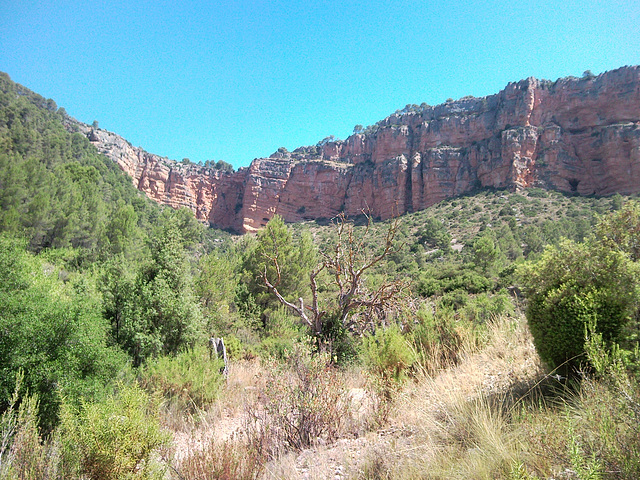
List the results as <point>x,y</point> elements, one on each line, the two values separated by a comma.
<point>217,349</point>
<point>355,306</point>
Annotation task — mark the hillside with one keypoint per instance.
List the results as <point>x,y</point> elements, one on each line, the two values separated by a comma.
<point>576,135</point>
<point>56,190</point>
<point>417,361</point>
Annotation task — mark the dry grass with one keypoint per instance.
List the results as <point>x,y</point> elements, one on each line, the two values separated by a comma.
<point>508,358</point>
<point>451,425</point>
<point>494,415</point>
<point>458,418</point>
<point>224,419</point>
<point>230,460</point>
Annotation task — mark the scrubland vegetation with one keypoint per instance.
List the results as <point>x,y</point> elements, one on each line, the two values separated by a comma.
<point>492,336</point>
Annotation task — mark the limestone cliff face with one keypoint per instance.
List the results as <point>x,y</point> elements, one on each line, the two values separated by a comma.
<point>580,135</point>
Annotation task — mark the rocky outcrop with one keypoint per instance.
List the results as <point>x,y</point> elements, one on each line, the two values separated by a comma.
<point>573,135</point>
<point>215,196</point>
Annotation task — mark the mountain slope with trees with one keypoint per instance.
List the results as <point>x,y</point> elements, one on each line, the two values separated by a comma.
<point>107,302</point>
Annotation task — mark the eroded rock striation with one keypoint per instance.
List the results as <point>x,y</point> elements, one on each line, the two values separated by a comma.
<point>574,135</point>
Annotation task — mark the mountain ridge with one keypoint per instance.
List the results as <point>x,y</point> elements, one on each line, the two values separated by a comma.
<point>578,135</point>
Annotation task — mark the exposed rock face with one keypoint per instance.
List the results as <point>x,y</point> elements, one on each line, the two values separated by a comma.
<point>214,196</point>
<point>573,135</point>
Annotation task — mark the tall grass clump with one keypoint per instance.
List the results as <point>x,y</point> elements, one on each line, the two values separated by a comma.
<point>23,454</point>
<point>437,339</point>
<point>588,428</point>
<point>231,460</point>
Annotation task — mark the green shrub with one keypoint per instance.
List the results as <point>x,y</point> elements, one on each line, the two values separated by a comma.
<point>455,299</point>
<point>433,234</point>
<point>275,348</point>
<point>571,286</point>
<point>296,257</point>
<point>387,353</point>
<point>507,211</point>
<point>450,277</point>
<point>611,403</point>
<point>338,340</point>
<point>537,193</point>
<point>283,333</point>
<point>190,379</point>
<point>235,349</point>
<point>114,438</point>
<point>483,307</point>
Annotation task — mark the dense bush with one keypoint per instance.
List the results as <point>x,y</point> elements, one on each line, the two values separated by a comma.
<point>22,453</point>
<point>433,234</point>
<point>215,286</point>
<point>621,230</point>
<point>440,279</point>
<point>483,307</point>
<point>52,331</point>
<point>571,286</point>
<point>153,310</point>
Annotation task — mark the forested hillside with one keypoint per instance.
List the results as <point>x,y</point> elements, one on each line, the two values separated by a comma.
<point>74,231</point>
<point>357,349</point>
<point>57,191</point>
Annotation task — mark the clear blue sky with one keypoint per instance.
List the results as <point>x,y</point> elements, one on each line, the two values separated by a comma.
<point>235,80</point>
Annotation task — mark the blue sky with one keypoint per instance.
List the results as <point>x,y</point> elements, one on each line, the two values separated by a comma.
<point>235,80</point>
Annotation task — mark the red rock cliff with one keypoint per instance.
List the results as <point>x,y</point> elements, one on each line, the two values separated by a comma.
<point>573,135</point>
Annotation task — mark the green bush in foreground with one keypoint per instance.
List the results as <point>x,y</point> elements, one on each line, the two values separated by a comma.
<point>114,438</point>
<point>574,285</point>
<point>52,331</point>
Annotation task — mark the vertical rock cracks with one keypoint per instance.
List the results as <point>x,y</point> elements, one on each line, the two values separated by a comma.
<point>574,134</point>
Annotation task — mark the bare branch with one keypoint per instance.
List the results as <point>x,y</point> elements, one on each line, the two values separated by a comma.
<point>346,263</point>
<point>298,310</point>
